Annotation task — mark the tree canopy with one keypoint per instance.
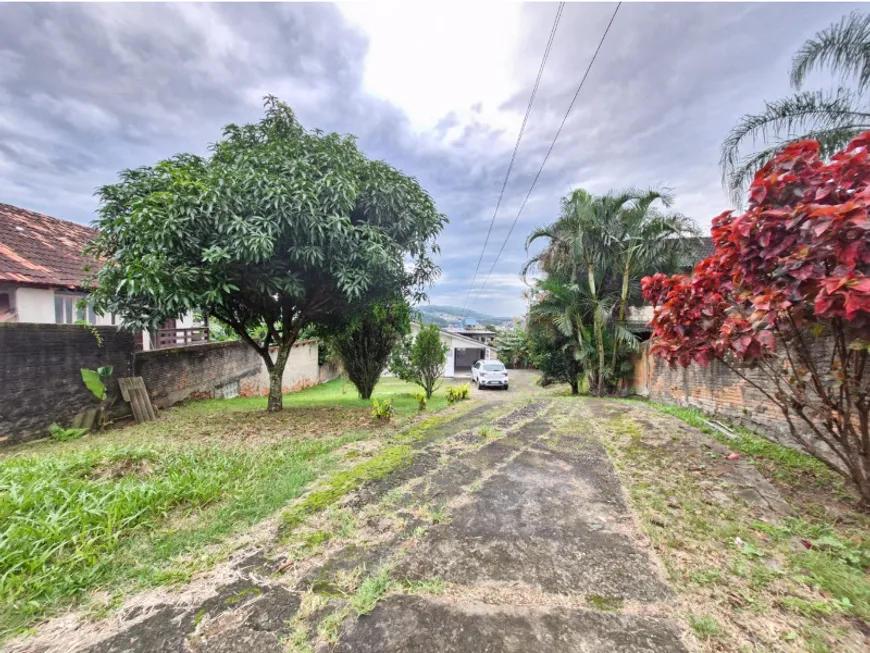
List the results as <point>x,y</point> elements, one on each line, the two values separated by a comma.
<point>278,227</point>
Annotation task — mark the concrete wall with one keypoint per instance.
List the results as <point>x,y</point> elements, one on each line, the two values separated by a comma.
<point>40,374</point>
<point>221,369</point>
<point>715,389</point>
<point>40,377</point>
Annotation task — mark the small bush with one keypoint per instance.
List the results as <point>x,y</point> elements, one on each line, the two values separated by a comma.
<point>382,409</point>
<point>705,627</point>
<point>421,401</point>
<point>487,432</point>
<point>458,393</point>
<point>61,434</point>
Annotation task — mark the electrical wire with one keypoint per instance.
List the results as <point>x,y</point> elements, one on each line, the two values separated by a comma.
<point>516,148</point>
<point>549,151</point>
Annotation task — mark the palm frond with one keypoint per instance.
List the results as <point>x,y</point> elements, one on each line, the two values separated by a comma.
<point>830,141</point>
<point>842,48</point>
<point>785,121</point>
<point>626,338</point>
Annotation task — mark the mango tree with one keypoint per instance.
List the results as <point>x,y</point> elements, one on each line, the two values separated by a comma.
<point>278,228</point>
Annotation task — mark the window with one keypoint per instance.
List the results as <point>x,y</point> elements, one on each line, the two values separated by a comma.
<point>494,368</point>
<point>68,311</point>
<point>7,310</point>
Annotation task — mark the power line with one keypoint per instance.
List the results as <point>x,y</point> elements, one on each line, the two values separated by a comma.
<point>516,147</point>
<point>549,151</point>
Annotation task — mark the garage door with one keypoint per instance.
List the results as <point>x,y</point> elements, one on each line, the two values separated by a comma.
<point>463,359</point>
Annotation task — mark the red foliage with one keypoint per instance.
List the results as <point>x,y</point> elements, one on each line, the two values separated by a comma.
<point>798,258</point>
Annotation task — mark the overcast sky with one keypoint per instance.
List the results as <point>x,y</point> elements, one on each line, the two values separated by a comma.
<point>438,90</point>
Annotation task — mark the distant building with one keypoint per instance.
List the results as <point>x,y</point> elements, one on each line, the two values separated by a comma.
<point>462,351</point>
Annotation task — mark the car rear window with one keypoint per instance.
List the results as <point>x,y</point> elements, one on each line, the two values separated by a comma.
<point>494,368</point>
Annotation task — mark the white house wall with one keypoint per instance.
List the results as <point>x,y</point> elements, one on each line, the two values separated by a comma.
<point>35,305</point>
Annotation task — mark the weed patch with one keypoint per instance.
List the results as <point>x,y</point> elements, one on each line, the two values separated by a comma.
<point>748,579</point>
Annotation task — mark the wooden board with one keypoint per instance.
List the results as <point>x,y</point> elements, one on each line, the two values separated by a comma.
<point>133,390</point>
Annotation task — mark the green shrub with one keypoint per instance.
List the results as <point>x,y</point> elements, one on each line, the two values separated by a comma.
<point>458,393</point>
<point>382,409</point>
<point>421,401</point>
<point>61,434</point>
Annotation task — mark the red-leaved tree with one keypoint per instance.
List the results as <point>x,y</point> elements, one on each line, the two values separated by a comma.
<point>787,293</point>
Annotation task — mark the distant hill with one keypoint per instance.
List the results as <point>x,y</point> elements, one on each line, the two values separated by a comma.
<point>446,315</point>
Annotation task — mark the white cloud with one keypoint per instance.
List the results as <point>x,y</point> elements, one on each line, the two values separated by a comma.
<point>435,58</point>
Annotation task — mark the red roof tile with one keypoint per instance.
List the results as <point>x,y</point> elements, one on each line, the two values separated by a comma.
<point>36,249</point>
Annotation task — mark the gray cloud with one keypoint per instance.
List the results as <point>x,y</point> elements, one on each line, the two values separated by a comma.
<point>87,90</point>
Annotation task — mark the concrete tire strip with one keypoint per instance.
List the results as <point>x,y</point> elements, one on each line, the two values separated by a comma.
<point>534,549</point>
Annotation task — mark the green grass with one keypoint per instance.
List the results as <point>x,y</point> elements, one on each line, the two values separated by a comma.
<point>387,461</point>
<point>838,552</point>
<point>339,393</point>
<point>136,507</point>
<point>785,464</point>
<point>704,627</point>
<point>84,518</point>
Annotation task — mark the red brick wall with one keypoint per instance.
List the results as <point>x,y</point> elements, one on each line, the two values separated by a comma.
<point>716,390</point>
<point>197,371</point>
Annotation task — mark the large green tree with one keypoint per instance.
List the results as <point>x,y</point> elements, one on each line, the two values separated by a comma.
<point>832,117</point>
<point>365,341</point>
<point>278,228</point>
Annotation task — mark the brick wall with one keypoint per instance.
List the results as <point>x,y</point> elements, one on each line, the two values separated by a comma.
<point>716,390</point>
<point>209,370</point>
<point>40,377</point>
<point>40,374</point>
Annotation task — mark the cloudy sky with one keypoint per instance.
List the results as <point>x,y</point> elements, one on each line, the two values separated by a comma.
<point>436,89</point>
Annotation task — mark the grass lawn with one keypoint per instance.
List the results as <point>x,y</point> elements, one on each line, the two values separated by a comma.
<point>342,394</point>
<point>748,579</point>
<point>137,507</point>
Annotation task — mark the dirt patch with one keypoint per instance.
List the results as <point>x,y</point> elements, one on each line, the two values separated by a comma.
<point>724,533</point>
<point>120,468</point>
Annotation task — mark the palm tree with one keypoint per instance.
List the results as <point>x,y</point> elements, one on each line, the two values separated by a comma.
<point>598,250</point>
<point>577,250</point>
<point>565,306</point>
<point>643,240</point>
<point>832,117</point>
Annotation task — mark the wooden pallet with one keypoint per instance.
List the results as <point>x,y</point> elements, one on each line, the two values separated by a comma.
<point>133,390</point>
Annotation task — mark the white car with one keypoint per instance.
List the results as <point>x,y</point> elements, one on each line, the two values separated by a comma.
<point>489,374</point>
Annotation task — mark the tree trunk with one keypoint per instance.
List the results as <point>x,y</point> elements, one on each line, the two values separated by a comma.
<point>276,376</point>
<point>598,328</point>
<point>575,386</point>
<point>365,389</point>
<point>622,301</point>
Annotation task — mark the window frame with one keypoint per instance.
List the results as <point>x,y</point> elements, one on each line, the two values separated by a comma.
<point>67,311</point>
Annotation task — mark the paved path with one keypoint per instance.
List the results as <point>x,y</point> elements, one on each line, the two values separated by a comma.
<point>542,555</point>
<point>533,550</point>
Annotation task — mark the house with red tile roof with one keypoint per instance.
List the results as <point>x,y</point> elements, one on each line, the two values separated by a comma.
<point>43,270</point>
